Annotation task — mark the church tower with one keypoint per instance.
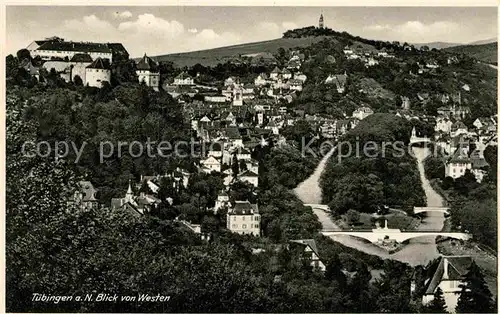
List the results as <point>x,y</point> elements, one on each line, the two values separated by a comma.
<point>321,23</point>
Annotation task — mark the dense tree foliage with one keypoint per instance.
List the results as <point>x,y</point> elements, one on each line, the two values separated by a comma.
<point>475,297</point>
<point>362,179</point>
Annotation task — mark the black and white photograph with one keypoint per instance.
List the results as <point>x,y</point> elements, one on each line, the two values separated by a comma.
<point>250,159</point>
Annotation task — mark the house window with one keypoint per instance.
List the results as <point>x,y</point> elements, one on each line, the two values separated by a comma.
<point>244,226</point>
<point>257,226</point>
<point>243,218</point>
<point>256,218</point>
<point>235,226</point>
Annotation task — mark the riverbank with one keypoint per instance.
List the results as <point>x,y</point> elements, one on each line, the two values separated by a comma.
<point>418,251</point>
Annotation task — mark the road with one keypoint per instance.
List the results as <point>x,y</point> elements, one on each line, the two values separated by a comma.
<point>417,252</point>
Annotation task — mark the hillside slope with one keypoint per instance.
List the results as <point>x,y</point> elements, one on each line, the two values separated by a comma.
<point>486,53</point>
<point>212,57</point>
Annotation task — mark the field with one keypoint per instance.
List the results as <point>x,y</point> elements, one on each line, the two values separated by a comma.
<point>212,57</point>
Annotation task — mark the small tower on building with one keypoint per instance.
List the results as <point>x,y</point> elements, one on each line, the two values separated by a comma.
<point>321,22</point>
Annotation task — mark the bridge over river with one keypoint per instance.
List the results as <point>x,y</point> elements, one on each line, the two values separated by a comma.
<point>419,250</point>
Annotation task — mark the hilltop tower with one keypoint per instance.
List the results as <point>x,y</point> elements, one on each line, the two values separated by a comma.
<point>321,22</point>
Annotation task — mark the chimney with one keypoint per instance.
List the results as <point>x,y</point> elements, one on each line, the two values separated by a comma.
<point>445,271</point>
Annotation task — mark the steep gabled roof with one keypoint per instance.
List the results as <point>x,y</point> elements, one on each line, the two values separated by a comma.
<point>276,70</point>
<point>99,63</point>
<point>244,208</point>
<point>183,76</point>
<point>74,46</point>
<point>81,57</point>
<point>308,242</point>
<point>147,64</point>
<point>457,268</point>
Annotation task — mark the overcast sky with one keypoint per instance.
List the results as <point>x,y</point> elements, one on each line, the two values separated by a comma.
<point>161,30</point>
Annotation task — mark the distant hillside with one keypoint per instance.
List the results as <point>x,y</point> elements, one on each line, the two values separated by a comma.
<point>484,41</point>
<point>212,57</point>
<point>486,53</point>
<point>437,45</point>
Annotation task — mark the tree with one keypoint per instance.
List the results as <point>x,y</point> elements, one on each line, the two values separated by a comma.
<point>78,80</point>
<point>23,54</point>
<point>352,216</point>
<point>235,166</point>
<point>475,297</point>
<point>438,304</point>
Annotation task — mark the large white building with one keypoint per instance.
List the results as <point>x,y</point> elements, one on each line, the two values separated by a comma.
<point>97,73</point>
<point>244,218</point>
<point>148,72</point>
<point>56,47</point>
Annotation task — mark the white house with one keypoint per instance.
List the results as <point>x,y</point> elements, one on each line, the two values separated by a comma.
<point>338,80</point>
<point>286,74</point>
<point>244,218</point>
<point>362,113</point>
<point>371,62</point>
<point>250,177</point>
<point>222,201</point>
<point>443,124</point>
<point>147,71</point>
<point>243,154</point>
<point>456,166</point>
<point>458,128</point>
<point>215,98</point>
<point>97,73</point>
<point>238,96</point>
<point>310,251</point>
<point>295,84</point>
<point>211,164</point>
<point>183,79</point>
<point>275,73</point>
<point>261,79</point>
<point>300,76</point>
<point>448,275</point>
<point>230,81</point>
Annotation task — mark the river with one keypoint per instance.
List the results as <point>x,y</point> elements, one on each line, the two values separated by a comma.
<point>418,251</point>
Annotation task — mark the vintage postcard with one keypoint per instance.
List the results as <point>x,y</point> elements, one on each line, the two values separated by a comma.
<point>249,159</point>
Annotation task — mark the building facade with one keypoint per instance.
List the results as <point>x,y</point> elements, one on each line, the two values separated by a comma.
<point>244,218</point>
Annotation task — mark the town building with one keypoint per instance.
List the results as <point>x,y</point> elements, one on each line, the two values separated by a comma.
<point>447,273</point>
<point>97,73</point>
<point>183,79</point>
<point>443,124</point>
<point>261,79</point>
<point>250,177</point>
<point>79,63</point>
<point>362,112</point>
<point>244,218</point>
<point>222,201</point>
<point>338,80</point>
<point>457,164</point>
<point>56,47</point>
<point>136,205</point>
<point>148,72</point>
<point>308,251</point>
<point>85,196</point>
<point>210,164</point>
<point>275,73</point>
